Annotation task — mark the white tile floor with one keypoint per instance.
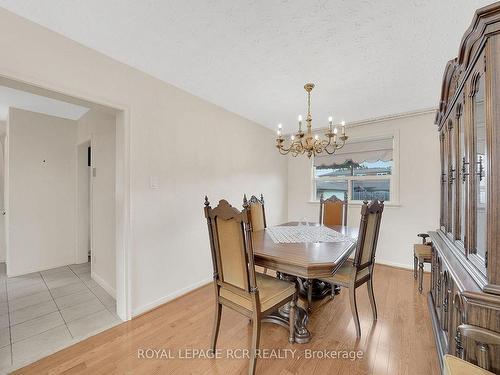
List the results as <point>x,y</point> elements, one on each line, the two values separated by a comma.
<point>43,312</point>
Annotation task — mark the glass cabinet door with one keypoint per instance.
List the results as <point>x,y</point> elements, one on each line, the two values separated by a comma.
<point>480,182</point>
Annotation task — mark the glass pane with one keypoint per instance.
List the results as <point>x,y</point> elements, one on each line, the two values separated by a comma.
<point>461,183</point>
<point>442,213</point>
<point>480,168</point>
<point>453,185</point>
<point>350,168</point>
<point>329,188</point>
<point>378,168</point>
<point>444,180</point>
<point>371,189</point>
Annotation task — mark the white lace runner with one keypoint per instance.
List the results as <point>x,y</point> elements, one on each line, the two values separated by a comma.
<point>302,233</point>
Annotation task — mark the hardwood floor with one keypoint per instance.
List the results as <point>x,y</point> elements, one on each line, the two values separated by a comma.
<point>400,342</point>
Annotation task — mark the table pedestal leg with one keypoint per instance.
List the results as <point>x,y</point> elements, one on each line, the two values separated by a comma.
<point>320,289</point>
<point>281,316</point>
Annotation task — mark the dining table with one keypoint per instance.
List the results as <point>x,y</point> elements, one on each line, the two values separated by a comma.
<point>298,256</point>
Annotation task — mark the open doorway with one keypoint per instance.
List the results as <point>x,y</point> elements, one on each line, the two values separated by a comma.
<point>61,230</point>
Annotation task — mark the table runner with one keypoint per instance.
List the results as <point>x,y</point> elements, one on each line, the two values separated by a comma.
<point>303,233</point>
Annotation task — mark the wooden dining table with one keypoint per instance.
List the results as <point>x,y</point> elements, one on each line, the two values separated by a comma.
<point>307,260</point>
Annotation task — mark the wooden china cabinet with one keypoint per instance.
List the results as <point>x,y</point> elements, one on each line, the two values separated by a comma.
<point>465,279</point>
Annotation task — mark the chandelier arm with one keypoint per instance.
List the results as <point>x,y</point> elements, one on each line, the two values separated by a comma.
<point>340,146</point>
<point>283,152</point>
<point>331,152</point>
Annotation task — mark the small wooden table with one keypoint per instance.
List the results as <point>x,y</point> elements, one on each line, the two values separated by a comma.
<point>309,260</point>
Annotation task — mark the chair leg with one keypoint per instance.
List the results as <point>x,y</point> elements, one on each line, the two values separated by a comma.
<point>354,309</point>
<point>332,295</point>
<point>255,345</point>
<point>215,330</point>
<point>420,275</point>
<point>369,284</point>
<point>415,265</point>
<point>309,295</point>
<point>291,317</point>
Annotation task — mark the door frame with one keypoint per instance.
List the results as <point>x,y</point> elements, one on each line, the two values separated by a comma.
<point>86,142</point>
<point>122,185</point>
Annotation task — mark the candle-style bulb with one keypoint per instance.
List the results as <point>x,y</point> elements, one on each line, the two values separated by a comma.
<point>343,123</point>
<point>300,118</point>
<point>330,119</point>
<point>292,137</point>
<point>280,126</point>
<point>335,131</point>
<point>316,137</point>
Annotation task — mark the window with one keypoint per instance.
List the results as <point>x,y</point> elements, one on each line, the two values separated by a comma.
<point>362,169</point>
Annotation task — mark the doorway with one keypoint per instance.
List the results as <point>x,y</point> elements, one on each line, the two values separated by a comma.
<point>84,202</point>
<point>117,118</point>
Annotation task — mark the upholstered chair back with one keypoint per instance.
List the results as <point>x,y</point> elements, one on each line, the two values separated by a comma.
<point>371,216</point>
<point>257,212</point>
<point>333,211</point>
<point>231,246</point>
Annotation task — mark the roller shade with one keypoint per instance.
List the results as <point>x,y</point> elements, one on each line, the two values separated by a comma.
<point>358,152</point>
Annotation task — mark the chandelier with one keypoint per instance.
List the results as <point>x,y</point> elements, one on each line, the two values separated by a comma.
<point>306,143</point>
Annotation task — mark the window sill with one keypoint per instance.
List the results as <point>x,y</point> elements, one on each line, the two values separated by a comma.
<point>387,204</point>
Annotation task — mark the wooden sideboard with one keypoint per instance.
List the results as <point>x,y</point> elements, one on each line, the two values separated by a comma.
<point>465,278</point>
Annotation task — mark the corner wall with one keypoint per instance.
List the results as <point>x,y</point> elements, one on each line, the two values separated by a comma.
<point>418,209</point>
<point>99,128</point>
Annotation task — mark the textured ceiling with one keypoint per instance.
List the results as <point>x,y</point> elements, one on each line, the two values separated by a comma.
<point>367,58</point>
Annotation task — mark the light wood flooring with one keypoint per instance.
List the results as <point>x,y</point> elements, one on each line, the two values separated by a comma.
<point>400,342</point>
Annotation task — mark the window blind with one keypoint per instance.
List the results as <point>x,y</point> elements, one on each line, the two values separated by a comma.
<point>358,152</point>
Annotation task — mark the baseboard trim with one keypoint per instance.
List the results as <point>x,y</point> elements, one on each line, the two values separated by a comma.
<point>99,280</point>
<point>170,297</point>
<point>191,288</point>
<point>396,265</point>
<point>36,269</point>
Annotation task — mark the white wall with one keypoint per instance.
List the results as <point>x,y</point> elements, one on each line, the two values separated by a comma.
<point>191,147</point>
<point>99,127</point>
<point>41,208</point>
<point>418,209</point>
<point>3,130</point>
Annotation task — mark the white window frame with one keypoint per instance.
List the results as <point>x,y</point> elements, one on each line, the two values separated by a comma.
<point>393,177</point>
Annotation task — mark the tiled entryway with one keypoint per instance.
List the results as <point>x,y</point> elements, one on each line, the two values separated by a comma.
<point>43,312</point>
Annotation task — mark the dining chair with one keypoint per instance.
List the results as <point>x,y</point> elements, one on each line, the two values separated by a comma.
<point>354,273</point>
<point>481,340</point>
<point>237,285</point>
<point>333,211</point>
<point>422,253</point>
<point>257,214</point>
